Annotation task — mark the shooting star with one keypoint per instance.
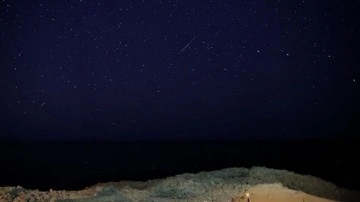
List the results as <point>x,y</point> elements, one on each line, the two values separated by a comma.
<point>182,50</point>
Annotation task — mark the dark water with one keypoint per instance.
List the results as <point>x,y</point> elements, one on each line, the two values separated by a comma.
<point>75,165</point>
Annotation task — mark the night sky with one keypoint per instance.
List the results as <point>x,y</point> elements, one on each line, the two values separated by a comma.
<point>119,70</point>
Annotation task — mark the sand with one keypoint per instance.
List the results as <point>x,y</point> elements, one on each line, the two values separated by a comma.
<point>228,185</point>
<point>276,193</point>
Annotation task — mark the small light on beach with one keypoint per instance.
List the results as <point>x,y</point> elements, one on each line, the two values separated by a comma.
<point>247,194</point>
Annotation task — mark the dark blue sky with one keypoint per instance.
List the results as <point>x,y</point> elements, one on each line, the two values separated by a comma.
<point>88,70</point>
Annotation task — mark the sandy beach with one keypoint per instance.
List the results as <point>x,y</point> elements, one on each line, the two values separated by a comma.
<point>276,193</point>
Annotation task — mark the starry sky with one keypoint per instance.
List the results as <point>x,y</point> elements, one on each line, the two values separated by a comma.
<point>119,70</point>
